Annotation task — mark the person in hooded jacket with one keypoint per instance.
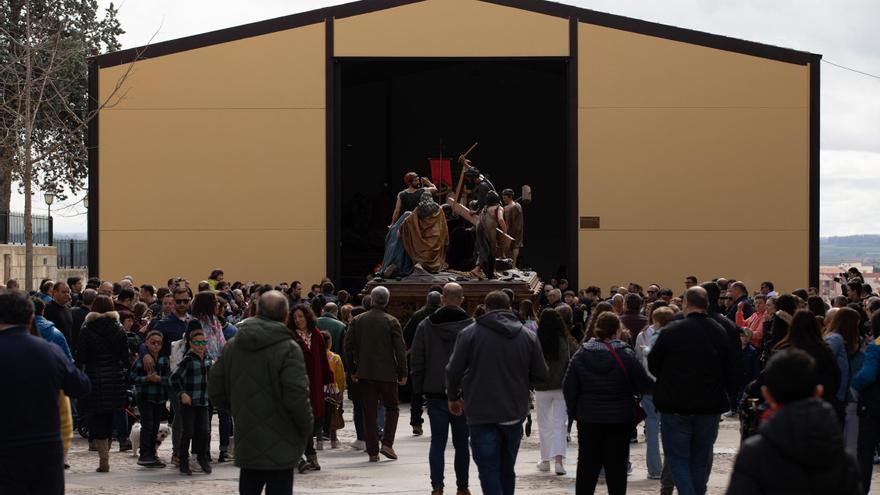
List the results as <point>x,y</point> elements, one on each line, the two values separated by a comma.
<point>799,449</point>
<point>431,348</point>
<point>599,386</point>
<point>47,329</point>
<point>493,364</point>
<point>102,352</point>
<point>261,379</point>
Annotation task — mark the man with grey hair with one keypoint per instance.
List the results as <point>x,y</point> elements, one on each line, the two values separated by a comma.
<point>330,323</point>
<point>554,298</point>
<point>693,365</point>
<point>261,379</point>
<point>375,356</point>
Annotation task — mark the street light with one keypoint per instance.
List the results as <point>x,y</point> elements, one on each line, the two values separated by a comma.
<point>50,198</point>
<point>86,201</point>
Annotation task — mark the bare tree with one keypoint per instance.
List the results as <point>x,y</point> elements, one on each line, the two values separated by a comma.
<point>43,127</point>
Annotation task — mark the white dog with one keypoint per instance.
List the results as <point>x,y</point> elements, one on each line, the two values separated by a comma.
<point>164,432</point>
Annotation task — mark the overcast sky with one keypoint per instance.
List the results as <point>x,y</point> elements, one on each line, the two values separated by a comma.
<point>843,31</point>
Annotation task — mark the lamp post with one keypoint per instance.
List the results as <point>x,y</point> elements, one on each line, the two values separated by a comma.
<point>50,198</point>
<point>86,201</point>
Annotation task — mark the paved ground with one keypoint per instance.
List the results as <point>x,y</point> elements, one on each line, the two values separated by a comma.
<point>346,471</point>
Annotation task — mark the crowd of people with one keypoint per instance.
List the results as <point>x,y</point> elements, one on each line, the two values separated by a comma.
<point>272,364</point>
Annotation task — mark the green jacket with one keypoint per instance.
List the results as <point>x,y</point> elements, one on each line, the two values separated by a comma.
<point>557,366</point>
<point>261,379</point>
<point>336,328</point>
<point>374,348</point>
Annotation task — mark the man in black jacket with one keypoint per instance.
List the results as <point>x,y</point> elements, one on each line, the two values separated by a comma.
<point>692,363</point>
<point>431,349</point>
<point>800,448</point>
<point>32,372</point>
<point>715,312</point>
<point>493,364</point>
<point>58,310</point>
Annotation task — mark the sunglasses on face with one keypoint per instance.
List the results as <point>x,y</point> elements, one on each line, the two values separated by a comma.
<point>199,342</point>
<point>181,301</point>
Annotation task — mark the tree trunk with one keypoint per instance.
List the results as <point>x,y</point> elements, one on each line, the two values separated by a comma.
<point>27,173</point>
<point>5,179</point>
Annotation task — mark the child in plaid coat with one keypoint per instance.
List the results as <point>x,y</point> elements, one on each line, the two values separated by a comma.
<point>190,382</point>
<point>150,389</point>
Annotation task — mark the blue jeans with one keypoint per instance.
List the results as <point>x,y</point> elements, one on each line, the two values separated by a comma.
<point>441,419</point>
<point>652,436</point>
<point>495,447</point>
<point>687,442</point>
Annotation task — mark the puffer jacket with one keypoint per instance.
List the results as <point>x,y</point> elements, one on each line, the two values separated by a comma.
<point>102,352</point>
<point>261,379</point>
<point>799,450</point>
<point>596,388</point>
<point>432,346</point>
<point>50,333</point>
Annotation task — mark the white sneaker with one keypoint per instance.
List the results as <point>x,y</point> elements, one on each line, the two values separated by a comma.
<point>359,445</point>
<point>544,466</point>
<point>560,468</point>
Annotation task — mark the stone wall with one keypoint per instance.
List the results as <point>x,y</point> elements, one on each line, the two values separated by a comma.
<point>45,263</point>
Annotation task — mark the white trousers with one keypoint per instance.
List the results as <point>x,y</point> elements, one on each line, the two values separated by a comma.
<point>552,423</point>
<point>851,428</point>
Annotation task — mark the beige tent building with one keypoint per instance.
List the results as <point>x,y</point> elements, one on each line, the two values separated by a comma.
<point>274,150</point>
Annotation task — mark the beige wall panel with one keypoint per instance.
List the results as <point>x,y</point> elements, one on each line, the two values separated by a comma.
<point>622,69</point>
<point>451,28</point>
<point>277,70</point>
<point>695,168</point>
<point>262,255</point>
<point>666,257</point>
<point>167,170</point>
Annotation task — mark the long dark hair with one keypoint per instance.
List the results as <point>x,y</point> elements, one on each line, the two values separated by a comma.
<point>526,310</point>
<point>204,306</point>
<point>803,333</point>
<point>551,329</point>
<point>311,322</point>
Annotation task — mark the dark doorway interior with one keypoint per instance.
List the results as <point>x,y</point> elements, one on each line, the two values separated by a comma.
<point>395,114</point>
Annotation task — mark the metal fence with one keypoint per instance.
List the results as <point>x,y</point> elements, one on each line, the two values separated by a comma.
<point>12,229</point>
<point>72,253</point>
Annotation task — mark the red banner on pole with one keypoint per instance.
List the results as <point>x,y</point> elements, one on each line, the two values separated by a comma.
<point>441,171</point>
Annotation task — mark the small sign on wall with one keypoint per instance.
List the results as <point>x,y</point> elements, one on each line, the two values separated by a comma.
<point>589,222</point>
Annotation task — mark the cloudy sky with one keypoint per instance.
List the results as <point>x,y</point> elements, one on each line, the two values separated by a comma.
<point>843,31</point>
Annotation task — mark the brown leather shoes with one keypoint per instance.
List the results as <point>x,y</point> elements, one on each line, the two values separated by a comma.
<point>374,458</point>
<point>388,452</point>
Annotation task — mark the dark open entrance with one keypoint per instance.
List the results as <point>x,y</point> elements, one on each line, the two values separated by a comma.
<point>395,114</point>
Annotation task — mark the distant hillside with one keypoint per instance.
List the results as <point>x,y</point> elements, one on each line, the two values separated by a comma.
<point>864,248</point>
